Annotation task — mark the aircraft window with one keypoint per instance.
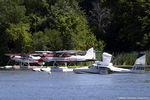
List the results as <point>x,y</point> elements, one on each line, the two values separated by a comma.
<point>92,67</point>
<point>60,55</point>
<point>64,55</point>
<point>57,55</point>
<point>24,56</point>
<point>96,67</point>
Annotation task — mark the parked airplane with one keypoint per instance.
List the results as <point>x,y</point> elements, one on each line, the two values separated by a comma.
<point>67,56</point>
<point>26,58</point>
<point>105,66</point>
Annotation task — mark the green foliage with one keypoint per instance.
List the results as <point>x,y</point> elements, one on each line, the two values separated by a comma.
<point>37,23</point>
<point>129,58</point>
<point>72,26</point>
<point>129,29</point>
<point>19,38</point>
<point>113,25</point>
<point>49,40</point>
<point>11,12</point>
<point>37,7</point>
<point>147,57</point>
<point>125,58</point>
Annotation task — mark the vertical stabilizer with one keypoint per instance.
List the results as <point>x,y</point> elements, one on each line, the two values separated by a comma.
<point>139,64</point>
<point>90,54</point>
<point>106,58</point>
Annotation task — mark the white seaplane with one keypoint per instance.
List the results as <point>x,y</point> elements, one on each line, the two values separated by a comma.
<point>105,66</point>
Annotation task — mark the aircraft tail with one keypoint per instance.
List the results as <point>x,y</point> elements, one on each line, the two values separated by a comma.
<point>106,58</point>
<point>139,65</point>
<point>90,54</point>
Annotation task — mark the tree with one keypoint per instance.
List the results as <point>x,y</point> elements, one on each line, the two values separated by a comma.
<point>71,24</point>
<point>19,38</point>
<point>125,32</point>
<point>97,15</point>
<point>12,15</point>
<point>145,20</point>
<point>37,7</point>
<point>49,40</point>
<point>12,12</point>
<point>28,25</point>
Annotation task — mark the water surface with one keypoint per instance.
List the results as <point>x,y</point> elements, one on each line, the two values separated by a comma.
<point>29,85</point>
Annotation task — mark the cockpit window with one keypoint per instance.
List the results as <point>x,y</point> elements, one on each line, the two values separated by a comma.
<point>35,55</point>
<point>93,67</point>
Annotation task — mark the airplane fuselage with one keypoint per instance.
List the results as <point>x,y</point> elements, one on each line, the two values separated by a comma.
<point>66,59</point>
<point>30,59</point>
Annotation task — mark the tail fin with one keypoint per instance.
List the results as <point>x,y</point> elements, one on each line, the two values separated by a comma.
<point>139,65</point>
<point>90,54</point>
<point>106,58</point>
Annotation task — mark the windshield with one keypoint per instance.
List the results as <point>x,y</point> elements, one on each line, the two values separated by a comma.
<point>93,66</point>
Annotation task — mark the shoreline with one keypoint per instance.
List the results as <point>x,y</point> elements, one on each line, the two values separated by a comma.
<point>147,68</point>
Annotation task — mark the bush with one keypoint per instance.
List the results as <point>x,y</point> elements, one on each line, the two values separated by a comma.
<point>129,58</point>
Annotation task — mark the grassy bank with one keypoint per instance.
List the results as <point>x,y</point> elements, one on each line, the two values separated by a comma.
<point>128,58</point>
<point>1,67</point>
<point>129,66</point>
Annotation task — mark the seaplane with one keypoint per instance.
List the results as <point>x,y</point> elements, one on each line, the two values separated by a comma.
<point>105,66</point>
<point>40,57</point>
<point>25,59</point>
<point>67,56</point>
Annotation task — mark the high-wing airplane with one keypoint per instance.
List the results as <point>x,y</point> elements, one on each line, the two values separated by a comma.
<point>40,57</point>
<point>105,66</point>
<point>67,56</point>
<point>26,58</point>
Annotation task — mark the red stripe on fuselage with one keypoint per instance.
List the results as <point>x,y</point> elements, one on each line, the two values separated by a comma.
<point>51,55</point>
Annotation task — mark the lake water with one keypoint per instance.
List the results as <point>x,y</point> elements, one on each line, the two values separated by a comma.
<point>29,85</point>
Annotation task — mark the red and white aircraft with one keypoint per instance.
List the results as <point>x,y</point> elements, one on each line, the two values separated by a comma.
<point>67,57</point>
<point>40,57</point>
<point>26,58</point>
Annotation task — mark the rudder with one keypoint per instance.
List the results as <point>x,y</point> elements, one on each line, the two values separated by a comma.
<point>90,54</point>
<point>106,58</point>
<point>139,65</point>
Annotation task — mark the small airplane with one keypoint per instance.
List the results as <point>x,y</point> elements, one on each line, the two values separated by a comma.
<point>26,58</point>
<point>105,66</point>
<point>67,56</point>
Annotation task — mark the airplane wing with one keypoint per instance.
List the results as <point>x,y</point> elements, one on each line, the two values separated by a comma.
<point>21,54</point>
<point>44,52</point>
<point>71,51</point>
<point>64,51</point>
<point>11,54</point>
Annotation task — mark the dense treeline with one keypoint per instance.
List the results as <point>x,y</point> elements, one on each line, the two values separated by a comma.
<point>122,24</point>
<point>112,25</point>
